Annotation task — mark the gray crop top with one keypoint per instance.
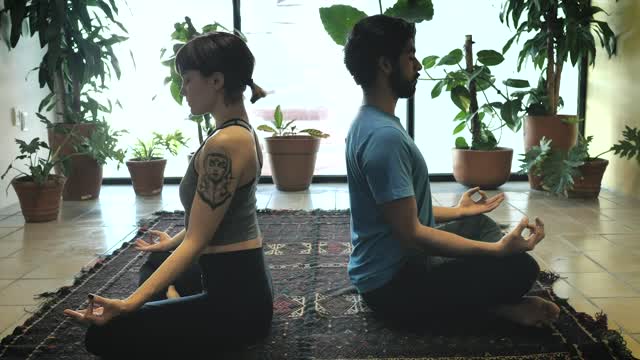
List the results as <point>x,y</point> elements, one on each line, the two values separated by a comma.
<point>240,222</point>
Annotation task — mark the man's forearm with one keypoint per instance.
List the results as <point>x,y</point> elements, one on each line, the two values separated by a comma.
<point>442,243</point>
<point>442,214</point>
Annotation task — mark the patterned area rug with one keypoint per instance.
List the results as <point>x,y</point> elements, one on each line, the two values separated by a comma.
<point>317,314</point>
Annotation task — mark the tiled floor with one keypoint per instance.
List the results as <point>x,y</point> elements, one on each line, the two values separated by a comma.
<point>594,245</point>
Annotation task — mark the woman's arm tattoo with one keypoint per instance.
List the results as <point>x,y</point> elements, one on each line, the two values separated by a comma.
<point>214,182</point>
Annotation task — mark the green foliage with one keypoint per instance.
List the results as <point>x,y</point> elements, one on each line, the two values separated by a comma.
<point>182,33</point>
<point>154,149</point>
<point>562,30</point>
<point>338,20</point>
<point>38,167</point>
<point>281,127</point>
<point>559,169</point>
<point>102,145</point>
<point>629,147</point>
<point>457,80</point>
<point>79,54</point>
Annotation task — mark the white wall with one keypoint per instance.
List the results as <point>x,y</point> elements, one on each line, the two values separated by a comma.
<point>612,95</point>
<point>15,91</point>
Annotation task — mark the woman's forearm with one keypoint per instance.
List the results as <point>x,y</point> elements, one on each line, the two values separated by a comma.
<point>177,239</point>
<point>186,253</point>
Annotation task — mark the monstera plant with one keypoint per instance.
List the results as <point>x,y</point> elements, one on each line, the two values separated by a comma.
<point>338,20</point>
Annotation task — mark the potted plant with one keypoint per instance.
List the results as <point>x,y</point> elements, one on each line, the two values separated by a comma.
<point>78,59</point>
<point>575,173</point>
<point>39,191</point>
<point>292,155</point>
<point>562,30</point>
<point>92,144</point>
<point>147,165</point>
<point>482,164</point>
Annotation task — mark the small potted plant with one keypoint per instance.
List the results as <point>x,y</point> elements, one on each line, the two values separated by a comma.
<point>92,145</point>
<point>484,163</point>
<point>292,153</point>
<point>39,191</point>
<point>147,165</point>
<point>575,173</point>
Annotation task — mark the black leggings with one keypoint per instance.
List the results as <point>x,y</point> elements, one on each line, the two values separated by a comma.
<point>187,283</point>
<point>428,286</point>
<point>234,310</point>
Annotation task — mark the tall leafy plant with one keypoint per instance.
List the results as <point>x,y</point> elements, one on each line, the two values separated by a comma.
<point>338,20</point>
<point>183,32</point>
<point>562,30</point>
<point>79,36</point>
<point>463,77</point>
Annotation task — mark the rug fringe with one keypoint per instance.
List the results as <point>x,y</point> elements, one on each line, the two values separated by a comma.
<point>52,296</point>
<point>597,326</point>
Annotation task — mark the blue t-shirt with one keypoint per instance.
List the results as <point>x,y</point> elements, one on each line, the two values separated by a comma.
<point>383,164</point>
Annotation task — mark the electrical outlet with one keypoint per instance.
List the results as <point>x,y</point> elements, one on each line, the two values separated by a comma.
<point>22,120</point>
<point>14,117</point>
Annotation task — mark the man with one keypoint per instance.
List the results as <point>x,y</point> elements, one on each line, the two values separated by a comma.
<point>403,264</point>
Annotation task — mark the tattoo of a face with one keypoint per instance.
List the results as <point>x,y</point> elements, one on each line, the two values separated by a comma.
<point>215,180</point>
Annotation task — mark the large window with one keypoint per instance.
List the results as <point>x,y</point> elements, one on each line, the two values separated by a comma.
<point>453,19</point>
<point>302,68</point>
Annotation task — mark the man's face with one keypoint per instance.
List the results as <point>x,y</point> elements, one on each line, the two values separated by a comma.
<point>405,72</point>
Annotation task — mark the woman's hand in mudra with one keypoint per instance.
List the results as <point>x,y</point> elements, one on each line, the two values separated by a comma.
<point>161,245</point>
<point>99,310</point>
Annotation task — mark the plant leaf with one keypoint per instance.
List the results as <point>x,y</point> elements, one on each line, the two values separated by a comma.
<point>429,61</point>
<point>452,58</point>
<point>516,83</point>
<point>412,10</point>
<point>338,20</point>
<point>461,143</point>
<point>490,57</point>
<point>461,97</point>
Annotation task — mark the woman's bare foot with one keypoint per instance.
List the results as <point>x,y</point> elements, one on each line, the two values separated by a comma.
<point>531,311</point>
<point>172,293</point>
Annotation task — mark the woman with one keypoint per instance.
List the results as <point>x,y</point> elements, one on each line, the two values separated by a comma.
<point>221,229</point>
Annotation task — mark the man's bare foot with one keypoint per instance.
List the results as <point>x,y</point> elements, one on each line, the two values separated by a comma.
<point>172,293</point>
<point>531,311</point>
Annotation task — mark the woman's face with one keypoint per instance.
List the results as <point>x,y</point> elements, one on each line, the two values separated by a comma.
<point>199,91</point>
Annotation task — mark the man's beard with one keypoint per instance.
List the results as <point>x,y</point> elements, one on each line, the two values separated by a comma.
<point>402,87</point>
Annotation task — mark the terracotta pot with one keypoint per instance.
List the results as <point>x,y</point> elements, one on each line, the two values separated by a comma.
<point>85,176</point>
<point>487,169</point>
<point>39,203</point>
<point>293,160</point>
<point>85,179</point>
<point>587,186</point>
<point>563,136</point>
<point>147,176</point>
